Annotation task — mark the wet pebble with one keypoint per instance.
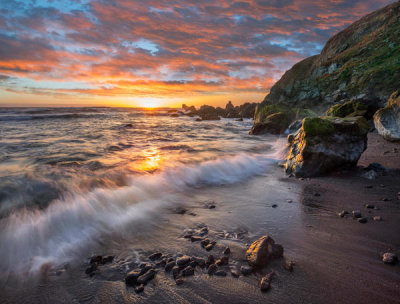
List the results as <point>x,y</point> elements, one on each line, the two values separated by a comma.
<point>212,269</point>
<point>220,273</point>
<point>362,220</point>
<point>274,205</point>
<point>179,281</point>
<point>155,256</point>
<point>199,261</point>
<point>91,269</point>
<point>389,258</point>
<point>188,271</point>
<point>235,272</point>
<point>222,261</point>
<point>96,259</point>
<point>246,270</point>
<point>144,278</point>
<point>183,260</point>
<point>356,213</point>
<point>227,251</point>
<point>343,213</point>
<point>289,265</point>
<point>175,271</point>
<point>210,260</point>
<point>209,247</point>
<point>370,206</point>
<point>205,242</point>
<point>139,288</point>
<point>377,218</point>
<point>169,265</point>
<point>265,282</point>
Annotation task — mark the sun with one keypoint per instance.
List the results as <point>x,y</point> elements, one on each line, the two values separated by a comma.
<point>149,102</point>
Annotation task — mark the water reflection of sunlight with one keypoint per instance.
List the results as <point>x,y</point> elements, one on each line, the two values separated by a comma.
<point>151,161</point>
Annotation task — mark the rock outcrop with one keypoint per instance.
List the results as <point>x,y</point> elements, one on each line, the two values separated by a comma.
<point>326,143</point>
<point>361,63</point>
<point>387,120</point>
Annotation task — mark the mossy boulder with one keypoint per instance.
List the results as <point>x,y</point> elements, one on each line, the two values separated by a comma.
<point>387,120</point>
<point>349,108</point>
<point>326,143</point>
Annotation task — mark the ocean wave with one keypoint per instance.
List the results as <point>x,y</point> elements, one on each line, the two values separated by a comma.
<point>30,239</point>
<point>49,116</point>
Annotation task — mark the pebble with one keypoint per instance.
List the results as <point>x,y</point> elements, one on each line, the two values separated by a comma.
<point>235,272</point>
<point>222,261</point>
<point>265,282</point>
<point>155,256</point>
<point>161,263</point>
<point>274,205</point>
<point>91,269</point>
<point>220,273</point>
<point>377,218</point>
<point>369,187</point>
<point>212,269</point>
<point>203,231</point>
<point>195,238</point>
<point>210,260</point>
<point>362,220</point>
<point>317,194</point>
<point>179,281</point>
<point>205,242</point>
<point>227,251</point>
<point>144,278</point>
<point>131,278</point>
<point>175,271</point>
<point>188,271</point>
<point>107,259</point>
<point>356,213</point>
<point>385,199</point>
<point>180,210</point>
<point>289,201</point>
<point>289,265</point>
<point>209,247</point>
<point>389,258</point>
<point>183,260</point>
<point>169,266</point>
<point>246,270</point>
<point>370,206</point>
<point>199,261</point>
<point>343,213</point>
<point>96,259</point>
<point>139,288</point>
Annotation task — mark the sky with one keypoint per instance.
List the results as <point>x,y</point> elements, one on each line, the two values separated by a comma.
<point>150,53</point>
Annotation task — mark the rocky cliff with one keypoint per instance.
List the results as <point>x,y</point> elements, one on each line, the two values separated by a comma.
<point>361,62</point>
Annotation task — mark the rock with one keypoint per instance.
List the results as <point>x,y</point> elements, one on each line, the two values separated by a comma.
<point>356,213</point>
<point>145,267</point>
<point>274,123</point>
<point>289,201</point>
<point>169,266</point>
<point>107,259</point>
<point>203,231</point>
<point>222,261</point>
<point>205,242</point>
<point>139,289</point>
<point>362,220</point>
<point>91,269</point>
<point>262,251</point>
<point>369,206</point>
<point>96,259</point>
<point>376,167</point>
<point>220,273</point>
<point>175,271</point>
<point>195,238</point>
<point>265,282</point>
<point>324,144</point>
<point>188,271</point>
<point>389,258</point>
<point>131,277</point>
<point>209,247</point>
<point>387,120</point>
<point>212,269</point>
<point>246,270</point>
<point>144,278</point>
<point>227,251</point>
<point>199,261</point>
<point>179,281</point>
<point>174,115</point>
<point>210,260</point>
<point>350,108</point>
<point>208,113</point>
<point>155,256</point>
<point>198,119</point>
<point>377,218</point>
<point>274,205</point>
<point>343,213</point>
<point>161,263</point>
<point>235,271</point>
<point>289,265</point>
<point>180,210</point>
<point>182,261</point>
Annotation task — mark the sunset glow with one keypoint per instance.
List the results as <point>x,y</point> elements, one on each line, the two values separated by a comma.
<point>156,53</point>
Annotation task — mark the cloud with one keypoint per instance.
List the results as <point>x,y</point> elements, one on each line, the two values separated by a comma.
<point>164,48</point>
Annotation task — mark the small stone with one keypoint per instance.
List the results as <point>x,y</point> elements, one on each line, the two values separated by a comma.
<point>211,206</point>
<point>91,269</point>
<point>144,268</point>
<point>209,247</point>
<point>369,206</point>
<point>385,199</point>
<point>220,273</point>
<point>188,271</point>
<point>227,251</point>
<point>179,281</point>
<point>212,269</point>
<point>169,266</point>
<point>362,220</point>
<point>317,194</point>
<point>389,258</point>
<point>205,242</point>
<point>289,201</point>
<point>175,271</point>
<point>377,218</point>
<point>289,265</point>
<point>265,282</point>
<point>183,260</point>
<point>222,261</point>
<point>96,259</point>
<point>139,288</point>
<point>144,278</point>
<point>199,261</point>
<point>107,259</point>
<point>193,264</point>
<point>274,205</point>
<point>161,263</point>
<point>342,213</point>
<point>356,213</point>
<point>369,187</point>
<point>155,256</point>
<point>235,272</point>
<point>131,278</point>
<point>246,270</point>
<point>195,238</point>
<point>180,210</point>
<point>203,231</point>
<point>210,260</point>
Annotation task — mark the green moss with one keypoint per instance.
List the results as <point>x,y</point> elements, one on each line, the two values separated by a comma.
<point>349,108</point>
<point>264,111</point>
<point>318,126</point>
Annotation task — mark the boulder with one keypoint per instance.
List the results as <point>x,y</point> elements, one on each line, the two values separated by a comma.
<point>387,120</point>
<point>350,108</point>
<point>208,113</point>
<point>262,251</point>
<point>324,144</point>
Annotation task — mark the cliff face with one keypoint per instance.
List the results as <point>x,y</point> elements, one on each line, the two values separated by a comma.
<point>361,62</point>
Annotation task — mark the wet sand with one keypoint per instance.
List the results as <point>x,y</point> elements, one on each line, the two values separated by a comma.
<point>337,259</point>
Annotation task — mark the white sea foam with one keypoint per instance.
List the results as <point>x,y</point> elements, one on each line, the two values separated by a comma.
<point>30,239</point>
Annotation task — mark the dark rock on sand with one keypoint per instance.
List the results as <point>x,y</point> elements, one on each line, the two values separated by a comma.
<point>324,144</point>
<point>188,271</point>
<point>175,271</point>
<point>161,263</point>
<point>289,265</point>
<point>183,260</point>
<point>343,213</point>
<point>235,271</point>
<point>369,206</point>
<point>196,238</point>
<point>356,213</point>
<point>209,247</point>
<point>389,258</point>
<point>96,259</point>
<point>212,269</point>
<point>131,278</point>
<point>179,281</point>
<point>91,269</point>
<point>203,231</point>
<point>246,270</point>
<point>155,256</point>
<point>144,278</point>
<point>205,242</point>
<point>180,210</point>
<point>220,273</point>
<point>139,288</point>
<point>262,251</point>
<point>227,251</point>
<point>169,266</point>
<point>107,259</point>
<point>210,260</point>
<point>362,220</point>
<point>265,282</point>
<point>222,261</point>
<point>199,261</point>
<point>274,205</point>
